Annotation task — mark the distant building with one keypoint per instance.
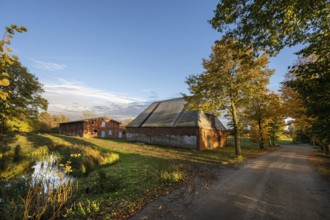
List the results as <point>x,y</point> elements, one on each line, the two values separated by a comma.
<point>94,127</point>
<point>167,123</point>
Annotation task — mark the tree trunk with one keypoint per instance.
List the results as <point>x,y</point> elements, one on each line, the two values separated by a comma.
<point>236,130</point>
<point>261,138</point>
<point>2,128</point>
<point>326,149</point>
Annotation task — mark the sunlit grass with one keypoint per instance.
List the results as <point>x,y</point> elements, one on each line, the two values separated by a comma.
<point>123,176</point>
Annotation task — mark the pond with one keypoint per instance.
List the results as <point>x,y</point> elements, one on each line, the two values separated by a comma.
<point>49,171</point>
<point>39,192</point>
<point>46,172</point>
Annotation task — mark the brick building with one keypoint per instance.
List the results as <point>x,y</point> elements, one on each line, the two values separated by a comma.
<point>168,123</point>
<point>94,127</point>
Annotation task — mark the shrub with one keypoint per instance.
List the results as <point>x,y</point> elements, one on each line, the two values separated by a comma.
<point>175,174</point>
<point>108,159</point>
<point>86,209</point>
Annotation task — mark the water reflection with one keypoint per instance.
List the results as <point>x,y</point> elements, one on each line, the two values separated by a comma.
<point>49,171</point>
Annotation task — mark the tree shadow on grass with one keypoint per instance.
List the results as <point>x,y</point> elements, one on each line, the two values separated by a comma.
<point>39,140</point>
<point>74,140</point>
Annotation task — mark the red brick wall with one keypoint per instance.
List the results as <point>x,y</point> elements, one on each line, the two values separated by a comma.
<point>91,128</point>
<point>209,139</point>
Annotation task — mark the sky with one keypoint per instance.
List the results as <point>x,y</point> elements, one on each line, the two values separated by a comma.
<point>114,57</point>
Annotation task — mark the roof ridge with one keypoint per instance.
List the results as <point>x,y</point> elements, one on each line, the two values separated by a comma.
<point>171,99</point>
<point>157,104</point>
<point>176,121</point>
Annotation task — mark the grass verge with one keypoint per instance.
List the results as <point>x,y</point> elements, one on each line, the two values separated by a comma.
<point>115,177</point>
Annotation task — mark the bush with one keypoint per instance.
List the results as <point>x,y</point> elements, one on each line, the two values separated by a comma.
<point>109,159</point>
<point>175,174</point>
<point>86,209</point>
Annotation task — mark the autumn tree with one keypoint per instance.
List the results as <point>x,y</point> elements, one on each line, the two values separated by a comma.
<point>7,59</point>
<point>294,107</point>
<point>231,76</point>
<point>25,99</point>
<point>265,118</point>
<point>51,121</point>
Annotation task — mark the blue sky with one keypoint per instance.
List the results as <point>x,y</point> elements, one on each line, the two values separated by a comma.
<point>113,57</point>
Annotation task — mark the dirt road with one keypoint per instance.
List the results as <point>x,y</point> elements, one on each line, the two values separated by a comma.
<point>279,185</point>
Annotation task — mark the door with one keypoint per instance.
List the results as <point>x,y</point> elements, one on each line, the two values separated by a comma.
<point>102,134</point>
<point>120,134</point>
<point>209,141</point>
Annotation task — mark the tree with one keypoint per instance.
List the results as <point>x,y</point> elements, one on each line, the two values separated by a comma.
<point>25,99</point>
<point>272,25</point>
<point>265,118</point>
<point>6,59</point>
<point>312,83</point>
<point>232,75</point>
<point>294,107</point>
<point>49,122</point>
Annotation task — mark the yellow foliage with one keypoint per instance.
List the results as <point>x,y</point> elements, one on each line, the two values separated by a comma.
<point>20,125</point>
<point>4,82</point>
<point>8,49</point>
<point>5,74</point>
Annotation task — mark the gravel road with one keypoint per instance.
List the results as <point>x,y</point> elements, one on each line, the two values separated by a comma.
<point>278,185</point>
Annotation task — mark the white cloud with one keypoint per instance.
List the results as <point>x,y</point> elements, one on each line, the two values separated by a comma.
<point>74,88</point>
<point>47,65</point>
<point>72,97</point>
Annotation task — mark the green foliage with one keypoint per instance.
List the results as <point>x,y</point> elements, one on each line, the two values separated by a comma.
<point>12,192</point>
<point>24,102</point>
<point>271,25</point>
<point>231,78</point>
<point>312,82</point>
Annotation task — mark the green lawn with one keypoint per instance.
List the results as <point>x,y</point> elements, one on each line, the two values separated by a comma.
<point>121,176</point>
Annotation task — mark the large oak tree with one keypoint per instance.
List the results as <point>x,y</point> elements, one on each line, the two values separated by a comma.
<point>231,77</point>
<point>24,100</point>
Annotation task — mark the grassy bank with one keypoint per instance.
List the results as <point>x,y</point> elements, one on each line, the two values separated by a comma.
<point>321,163</point>
<point>116,177</point>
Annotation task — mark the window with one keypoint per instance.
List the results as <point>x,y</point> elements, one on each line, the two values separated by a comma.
<point>110,132</point>
<point>103,124</point>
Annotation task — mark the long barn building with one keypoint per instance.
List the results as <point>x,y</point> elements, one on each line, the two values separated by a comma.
<point>167,123</point>
<point>94,127</point>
